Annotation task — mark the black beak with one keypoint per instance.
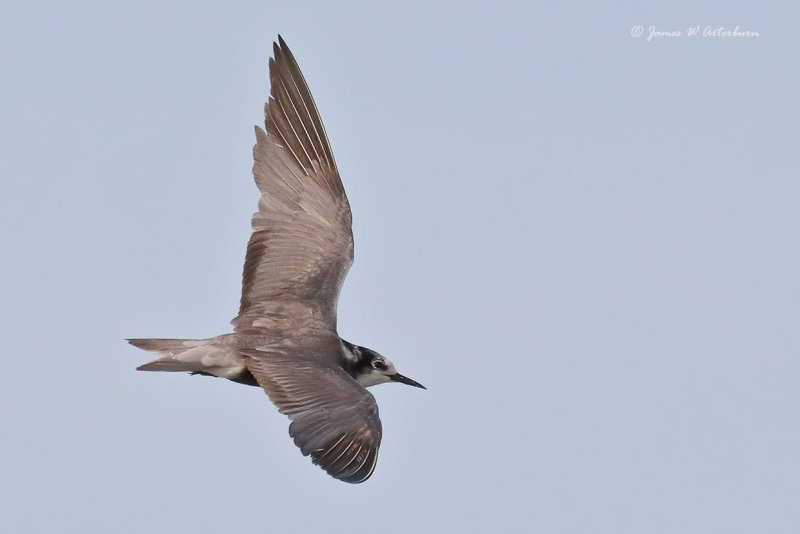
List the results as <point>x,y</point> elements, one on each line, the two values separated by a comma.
<point>397,377</point>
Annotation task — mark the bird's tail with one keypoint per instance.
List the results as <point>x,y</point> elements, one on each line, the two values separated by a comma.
<point>174,354</point>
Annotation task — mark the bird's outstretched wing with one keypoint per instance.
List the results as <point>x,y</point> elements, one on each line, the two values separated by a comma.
<point>302,242</point>
<point>334,419</point>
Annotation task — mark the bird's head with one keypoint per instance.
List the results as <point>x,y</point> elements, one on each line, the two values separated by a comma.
<point>372,369</point>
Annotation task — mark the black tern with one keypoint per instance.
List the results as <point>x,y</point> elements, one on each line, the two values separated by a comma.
<point>285,338</point>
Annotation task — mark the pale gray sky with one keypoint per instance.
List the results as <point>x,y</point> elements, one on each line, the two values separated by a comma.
<point>585,244</point>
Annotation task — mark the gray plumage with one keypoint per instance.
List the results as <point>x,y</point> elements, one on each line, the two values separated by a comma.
<point>285,337</point>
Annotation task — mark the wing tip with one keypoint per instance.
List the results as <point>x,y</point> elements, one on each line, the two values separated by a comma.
<point>353,468</point>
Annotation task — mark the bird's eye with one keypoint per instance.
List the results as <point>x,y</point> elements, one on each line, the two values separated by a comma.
<point>379,365</point>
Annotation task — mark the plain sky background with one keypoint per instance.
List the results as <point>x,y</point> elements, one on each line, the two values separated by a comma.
<point>583,243</point>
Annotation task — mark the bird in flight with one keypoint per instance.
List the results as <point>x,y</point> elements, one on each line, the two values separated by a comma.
<point>285,339</point>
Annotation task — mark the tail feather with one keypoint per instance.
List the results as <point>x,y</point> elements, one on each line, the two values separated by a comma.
<point>165,347</point>
<point>170,365</point>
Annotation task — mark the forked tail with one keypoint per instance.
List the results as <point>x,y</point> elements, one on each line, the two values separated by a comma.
<point>174,354</point>
<point>196,356</point>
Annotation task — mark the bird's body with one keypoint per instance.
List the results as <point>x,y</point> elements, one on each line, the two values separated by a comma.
<point>285,337</point>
